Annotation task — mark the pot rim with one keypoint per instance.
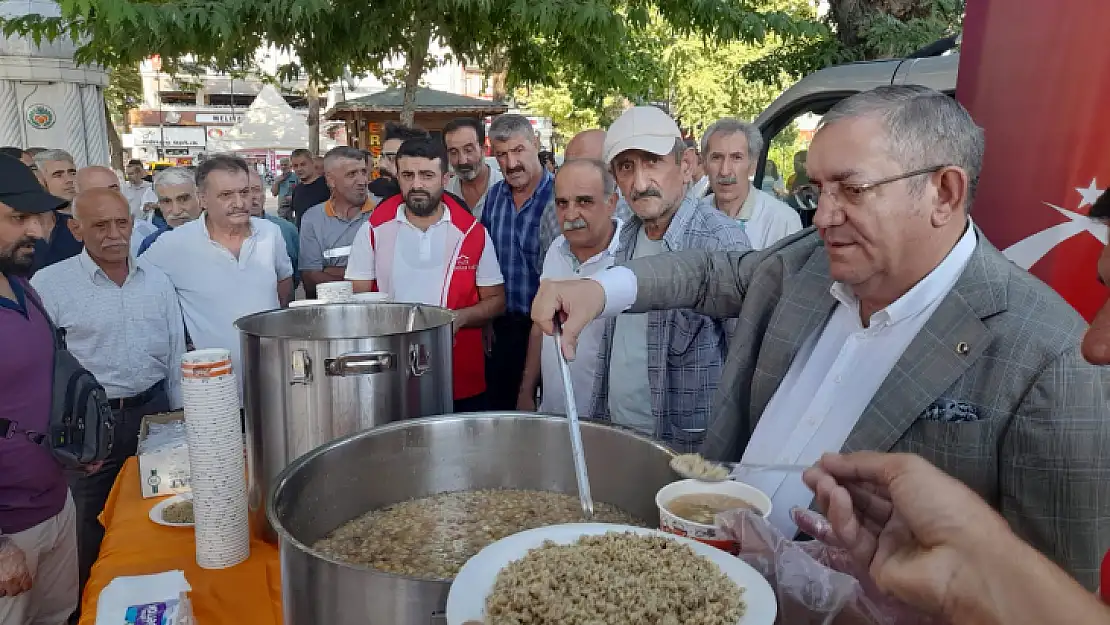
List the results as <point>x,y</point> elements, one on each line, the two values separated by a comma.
<point>286,538</point>
<point>249,320</point>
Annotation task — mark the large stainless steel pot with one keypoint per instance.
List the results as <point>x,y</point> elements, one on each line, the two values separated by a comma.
<point>314,374</point>
<point>346,478</point>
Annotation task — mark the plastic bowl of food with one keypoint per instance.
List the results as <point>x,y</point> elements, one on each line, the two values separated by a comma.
<point>688,507</point>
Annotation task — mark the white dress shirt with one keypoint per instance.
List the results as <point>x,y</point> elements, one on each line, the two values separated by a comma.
<point>561,264</point>
<point>139,232</point>
<point>130,337</point>
<point>766,220</point>
<point>215,287</point>
<point>138,197</point>
<point>831,381</point>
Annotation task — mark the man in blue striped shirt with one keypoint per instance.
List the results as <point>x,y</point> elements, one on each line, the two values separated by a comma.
<point>512,215</point>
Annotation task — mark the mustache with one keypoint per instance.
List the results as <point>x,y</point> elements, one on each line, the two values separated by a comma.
<point>466,167</point>
<point>575,224</point>
<point>515,170</point>
<point>639,195</point>
<point>727,179</point>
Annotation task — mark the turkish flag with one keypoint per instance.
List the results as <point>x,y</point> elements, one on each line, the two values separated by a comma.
<point>1035,75</point>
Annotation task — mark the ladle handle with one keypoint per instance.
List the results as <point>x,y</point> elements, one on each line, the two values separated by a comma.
<point>576,446</point>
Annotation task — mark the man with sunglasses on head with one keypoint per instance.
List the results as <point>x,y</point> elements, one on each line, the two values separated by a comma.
<point>893,325</point>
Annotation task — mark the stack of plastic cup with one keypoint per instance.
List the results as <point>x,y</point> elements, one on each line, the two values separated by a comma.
<point>335,291</point>
<point>216,460</point>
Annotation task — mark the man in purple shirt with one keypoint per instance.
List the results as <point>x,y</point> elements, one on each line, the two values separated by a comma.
<point>38,539</point>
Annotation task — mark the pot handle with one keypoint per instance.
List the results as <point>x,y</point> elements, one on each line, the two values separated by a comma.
<point>360,363</point>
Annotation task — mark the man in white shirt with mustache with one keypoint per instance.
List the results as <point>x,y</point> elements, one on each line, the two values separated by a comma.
<point>730,150</point>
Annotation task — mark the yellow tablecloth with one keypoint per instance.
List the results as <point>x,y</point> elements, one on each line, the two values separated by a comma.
<point>135,545</point>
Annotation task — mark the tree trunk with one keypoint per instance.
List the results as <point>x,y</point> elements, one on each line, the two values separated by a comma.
<point>414,71</point>
<point>499,71</point>
<point>852,17</point>
<point>115,144</point>
<point>313,117</point>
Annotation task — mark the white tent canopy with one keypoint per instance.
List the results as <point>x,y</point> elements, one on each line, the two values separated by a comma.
<point>269,124</point>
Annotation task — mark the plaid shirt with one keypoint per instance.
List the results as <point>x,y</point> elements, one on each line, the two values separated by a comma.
<point>686,350</point>
<point>516,239</point>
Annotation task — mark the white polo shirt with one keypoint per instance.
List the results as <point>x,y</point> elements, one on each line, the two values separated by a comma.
<point>216,288</point>
<point>561,264</point>
<point>420,263</point>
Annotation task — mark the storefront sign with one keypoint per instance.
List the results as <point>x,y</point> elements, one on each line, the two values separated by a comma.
<point>219,118</point>
<point>170,136</point>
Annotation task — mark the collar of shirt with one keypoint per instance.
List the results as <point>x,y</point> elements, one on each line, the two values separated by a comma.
<point>610,250</point>
<point>91,269</point>
<point>20,303</point>
<point>208,233</point>
<point>924,294</point>
<point>403,217</point>
<point>747,209</point>
<point>329,208</point>
<point>547,181</point>
<point>673,238</point>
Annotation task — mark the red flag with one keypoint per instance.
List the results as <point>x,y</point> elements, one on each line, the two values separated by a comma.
<point>1036,76</point>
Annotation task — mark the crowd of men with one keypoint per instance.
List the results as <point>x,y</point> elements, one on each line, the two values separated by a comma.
<point>697,310</point>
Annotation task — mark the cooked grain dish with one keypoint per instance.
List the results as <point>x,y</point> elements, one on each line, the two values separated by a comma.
<point>704,507</point>
<point>433,537</point>
<point>180,512</point>
<point>698,468</point>
<point>614,579</point>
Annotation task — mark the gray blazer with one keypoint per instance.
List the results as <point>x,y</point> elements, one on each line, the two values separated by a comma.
<point>993,390</point>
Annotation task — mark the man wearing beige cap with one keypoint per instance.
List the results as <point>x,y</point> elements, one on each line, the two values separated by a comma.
<point>659,370</point>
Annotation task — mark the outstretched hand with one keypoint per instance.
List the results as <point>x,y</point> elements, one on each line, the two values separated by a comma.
<point>574,302</point>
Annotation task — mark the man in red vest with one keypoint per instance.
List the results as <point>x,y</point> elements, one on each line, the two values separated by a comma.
<point>424,246</point>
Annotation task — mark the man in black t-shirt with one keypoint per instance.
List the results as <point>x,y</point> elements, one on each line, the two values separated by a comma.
<point>312,188</point>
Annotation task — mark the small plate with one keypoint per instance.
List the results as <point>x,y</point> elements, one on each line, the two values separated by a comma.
<point>156,511</point>
<point>466,600</point>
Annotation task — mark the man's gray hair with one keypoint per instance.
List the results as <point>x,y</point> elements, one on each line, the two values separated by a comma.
<point>172,176</point>
<point>342,152</point>
<point>52,155</point>
<point>924,128</point>
<point>731,126</point>
<point>509,124</point>
<point>608,182</point>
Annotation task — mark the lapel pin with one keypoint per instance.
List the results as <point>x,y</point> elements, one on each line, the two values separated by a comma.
<point>962,348</point>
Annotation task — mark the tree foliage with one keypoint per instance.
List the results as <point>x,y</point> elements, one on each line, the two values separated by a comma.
<point>581,42</point>
<point>858,30</point>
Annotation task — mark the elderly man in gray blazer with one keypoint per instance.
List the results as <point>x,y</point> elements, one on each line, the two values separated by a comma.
<point>892,326</point>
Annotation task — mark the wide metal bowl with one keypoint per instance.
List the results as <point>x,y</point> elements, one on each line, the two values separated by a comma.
<point>347,478</point>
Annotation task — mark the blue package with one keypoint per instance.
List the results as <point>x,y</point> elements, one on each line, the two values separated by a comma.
<point>161,613</point>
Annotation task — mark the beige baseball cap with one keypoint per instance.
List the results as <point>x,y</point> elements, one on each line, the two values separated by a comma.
<point>644,128</point>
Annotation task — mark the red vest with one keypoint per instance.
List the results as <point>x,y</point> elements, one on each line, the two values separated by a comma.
<point>466,243</point>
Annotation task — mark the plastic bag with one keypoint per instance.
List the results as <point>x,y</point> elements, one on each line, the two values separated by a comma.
<point>816,584</point>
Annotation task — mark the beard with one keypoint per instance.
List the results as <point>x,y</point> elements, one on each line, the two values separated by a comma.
<point>422,203</point>
<point>467,171</point>
<point>19,259</point>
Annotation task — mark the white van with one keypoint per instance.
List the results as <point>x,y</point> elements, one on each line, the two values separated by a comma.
<point>799,108</point>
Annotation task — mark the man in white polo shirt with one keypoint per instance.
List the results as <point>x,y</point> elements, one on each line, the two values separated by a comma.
<point>226,264</point>
<point>585,204</point>
<point>424,246</point>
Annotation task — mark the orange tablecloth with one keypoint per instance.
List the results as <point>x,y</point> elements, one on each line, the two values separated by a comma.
<point>134,545</point>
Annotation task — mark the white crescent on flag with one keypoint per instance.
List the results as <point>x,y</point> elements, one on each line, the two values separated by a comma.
<point>1028,251</point>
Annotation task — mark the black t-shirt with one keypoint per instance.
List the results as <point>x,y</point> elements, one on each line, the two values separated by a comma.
<point>305,196</point>
<point>61,245</point>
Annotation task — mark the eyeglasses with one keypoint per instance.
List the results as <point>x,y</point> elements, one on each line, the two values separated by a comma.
<point>852,192</point>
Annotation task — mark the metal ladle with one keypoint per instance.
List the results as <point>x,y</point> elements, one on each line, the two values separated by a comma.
<point>575,430</point>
